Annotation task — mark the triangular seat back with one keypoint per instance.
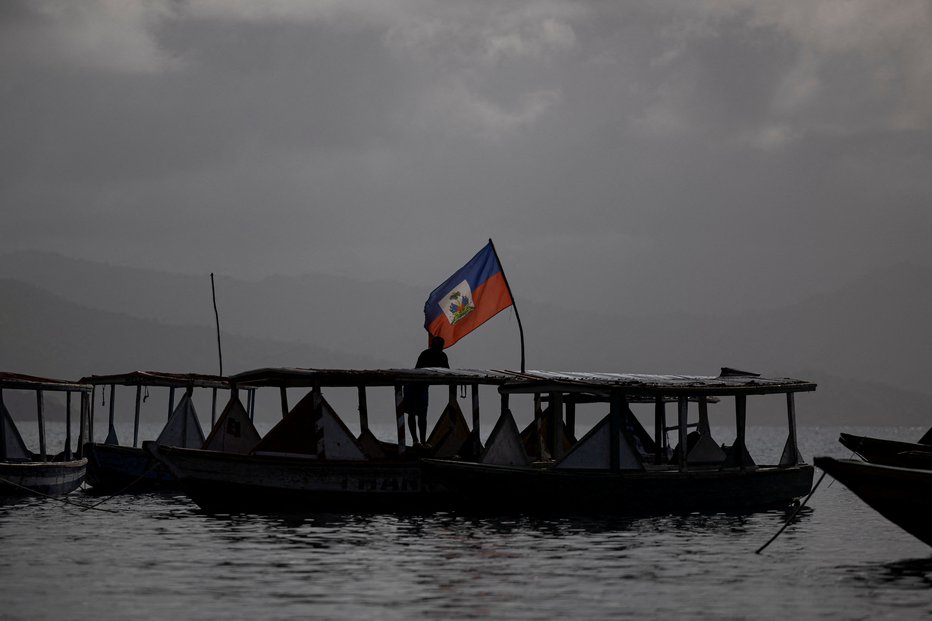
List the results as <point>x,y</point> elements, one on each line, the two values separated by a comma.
<point>537,437</point>
<point>12,447</point>
<point>504,446</point>
<point>307,431</point>
<point>450,432</point>
<point>594,450</point>
<point>233,431</point>
<point>182,428</point>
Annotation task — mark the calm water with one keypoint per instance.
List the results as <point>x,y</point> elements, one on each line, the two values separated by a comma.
<point>159,557</point>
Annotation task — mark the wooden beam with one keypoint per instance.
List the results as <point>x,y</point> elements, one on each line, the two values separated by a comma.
<point>682,414</point>
<point>475,408</point>
<point>660,424</point>
<point>136,416</point>
<point>741,410</point>
<point>68,425</point>
<point>363,408</point>
<point>40,407</point>
<point>400,416</point>
<point>283,393</point>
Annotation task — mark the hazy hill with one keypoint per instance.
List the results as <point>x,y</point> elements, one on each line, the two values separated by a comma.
<point>866,342</point>
<point>45,335</point>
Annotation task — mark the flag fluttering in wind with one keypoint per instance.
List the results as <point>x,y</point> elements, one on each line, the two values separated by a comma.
<point>474,294</point>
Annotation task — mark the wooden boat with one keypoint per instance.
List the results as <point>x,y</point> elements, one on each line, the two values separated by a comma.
<point>890,452</point>
<point>617,468</point>
<point>311,461</point>
<point>115,468</point>
<point>23,472</point>
<point>902,495</point>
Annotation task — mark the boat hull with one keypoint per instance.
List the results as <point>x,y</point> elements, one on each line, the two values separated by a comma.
<point>482,487</point>
<point>225,482</point>
<point>902,495</point>
<point>41,478</point>
<point>119,469</point>
<point>889,452</point>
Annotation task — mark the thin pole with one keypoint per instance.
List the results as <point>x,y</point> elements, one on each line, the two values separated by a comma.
<point>213,293</point>
<point>514,304</point>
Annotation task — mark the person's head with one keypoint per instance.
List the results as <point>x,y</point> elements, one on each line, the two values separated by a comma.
<point>437,343</point>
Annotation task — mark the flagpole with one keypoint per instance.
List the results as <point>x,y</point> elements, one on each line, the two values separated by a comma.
<point>513,303</point>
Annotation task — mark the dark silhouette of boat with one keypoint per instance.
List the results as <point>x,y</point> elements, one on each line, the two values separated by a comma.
<point>127,468</point>
<point>902,495</point>
<point>891,452</point>
<point>23,472</point>
<point>617,467</point>
<point>312,462</point>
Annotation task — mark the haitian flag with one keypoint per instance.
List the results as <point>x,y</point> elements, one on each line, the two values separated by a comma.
<point>468,298</point>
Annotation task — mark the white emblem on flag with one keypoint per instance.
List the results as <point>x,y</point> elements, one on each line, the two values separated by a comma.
<point>458,303</point>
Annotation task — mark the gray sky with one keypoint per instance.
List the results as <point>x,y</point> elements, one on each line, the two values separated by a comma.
<point>705,154</point>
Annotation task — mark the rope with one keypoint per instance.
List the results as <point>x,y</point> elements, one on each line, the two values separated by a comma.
<point>789,520</point>
<point>34,492</point>
<point>154,465</point>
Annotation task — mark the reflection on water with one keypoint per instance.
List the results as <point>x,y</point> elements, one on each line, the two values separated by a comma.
<point>159,556</point>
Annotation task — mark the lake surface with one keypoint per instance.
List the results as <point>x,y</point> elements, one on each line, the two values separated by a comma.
<point>159,557</point>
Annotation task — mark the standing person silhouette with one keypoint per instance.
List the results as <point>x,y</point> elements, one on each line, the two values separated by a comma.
<point>416,395</point>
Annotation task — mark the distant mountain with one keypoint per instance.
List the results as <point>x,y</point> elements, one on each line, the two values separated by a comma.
<point>868,338</point>
<point>45,335</point>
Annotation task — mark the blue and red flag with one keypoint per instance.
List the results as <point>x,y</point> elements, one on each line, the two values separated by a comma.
<point>467,299</point>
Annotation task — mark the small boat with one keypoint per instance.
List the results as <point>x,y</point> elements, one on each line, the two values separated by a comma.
<point>24,473</point>
<point>311,461</point>
<point>617,468</point>
<point>890,452</point>
<point>127,468</point>
<point>902,495</point>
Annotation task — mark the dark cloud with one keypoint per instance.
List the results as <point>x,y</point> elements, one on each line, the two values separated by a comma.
<point>710,154</point>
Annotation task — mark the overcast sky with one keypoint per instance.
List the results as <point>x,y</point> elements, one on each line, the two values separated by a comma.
<point>702,154</point>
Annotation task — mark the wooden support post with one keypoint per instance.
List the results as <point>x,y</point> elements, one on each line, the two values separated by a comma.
<point>283,393</point>
<point>741,405</point>
<point>3,455</point>
<point>571,416</point>
<point>136,416</point>
<point>682,412</point>
<point>660,424</point>
<point>556,418</point>
<point>213,407</point>
<point>363,409</point>
<point>317,405</point>
<point>251,402</point>
<point>538,426</point>
<point>452,396</point>
<point>475,408</point>
<point>68,425</point>
<point>83,431</point>
<point>704,428</point>
<point>91,411</point>
<point>111,427</point>
<point>40,408</point>
<point>171,400</point>
<point>400,417</point>
<point>504,401</point>
<point>790,456</point>
<point>614,430</point>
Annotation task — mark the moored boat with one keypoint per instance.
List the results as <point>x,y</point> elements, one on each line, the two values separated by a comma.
<point>616,469</point>
<point>311,461</point>
<point>23,472</point>
<point>902,495</point>
<point>127,468</point>
<point>890,452</point>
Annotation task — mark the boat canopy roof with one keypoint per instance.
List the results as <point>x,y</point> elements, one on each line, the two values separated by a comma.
<point>292,377</point>
<point>640,385</point>
<point>158,378</point>
<point>18,381</point>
